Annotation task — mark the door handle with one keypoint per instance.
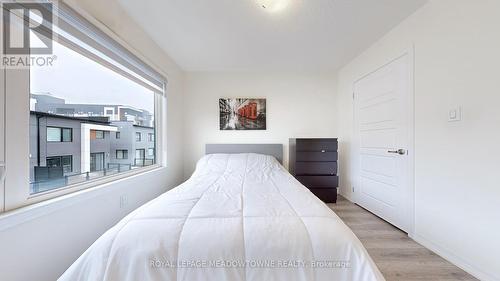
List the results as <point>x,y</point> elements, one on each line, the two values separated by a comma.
<point>400,151</point>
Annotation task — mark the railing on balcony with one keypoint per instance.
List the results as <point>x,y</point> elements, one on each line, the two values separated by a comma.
<point>142,162</point>
<point>62,181</point>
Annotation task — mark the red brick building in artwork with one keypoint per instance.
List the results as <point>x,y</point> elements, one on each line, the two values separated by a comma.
<point>248,111</point>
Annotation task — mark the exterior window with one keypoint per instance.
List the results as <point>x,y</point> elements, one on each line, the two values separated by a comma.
<point>151,152</point>
<point>63,162</point>
<point>117,135</point>
<point>67,135</point>
<point>97,161</point>
<point>99,135</point>
<point>67,163</point>
<point>53,162</point>
<point>151,137</point>
<point>121,154</point>
<point>55,134</point>
<point>138,136</point>
<point>140,154</point>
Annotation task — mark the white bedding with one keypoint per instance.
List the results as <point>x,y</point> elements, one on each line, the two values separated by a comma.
<point>239,217</point>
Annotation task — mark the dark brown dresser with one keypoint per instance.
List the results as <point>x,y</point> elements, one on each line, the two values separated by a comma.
<point>313,162</point>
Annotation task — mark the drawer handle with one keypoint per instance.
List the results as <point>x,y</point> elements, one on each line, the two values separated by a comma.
<point>323,151</point>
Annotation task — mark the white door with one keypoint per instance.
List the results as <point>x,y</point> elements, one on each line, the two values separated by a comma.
<point>384,126</point>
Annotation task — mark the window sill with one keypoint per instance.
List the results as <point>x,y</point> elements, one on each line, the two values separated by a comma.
<point>27,213</point>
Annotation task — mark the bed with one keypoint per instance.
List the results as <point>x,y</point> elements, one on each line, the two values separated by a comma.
<point>240,216</point>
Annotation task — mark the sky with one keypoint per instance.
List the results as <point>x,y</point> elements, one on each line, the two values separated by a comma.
<point>77,79</point>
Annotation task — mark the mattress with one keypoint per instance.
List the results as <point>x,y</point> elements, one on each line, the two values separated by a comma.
<point>238,217</point>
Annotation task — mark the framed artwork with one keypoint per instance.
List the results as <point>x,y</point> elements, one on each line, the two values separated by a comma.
<point>242,114</point>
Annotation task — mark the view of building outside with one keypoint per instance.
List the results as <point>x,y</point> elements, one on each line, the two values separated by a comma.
<point>86,122</point>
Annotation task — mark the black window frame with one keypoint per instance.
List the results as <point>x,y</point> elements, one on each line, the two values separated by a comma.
<point>118,135</point>
<point>70,134</point>
<point>151,137</point>
<point>61,134</point>
<point>124,154</point>
<point>138,136</point>
<point>61,161</point>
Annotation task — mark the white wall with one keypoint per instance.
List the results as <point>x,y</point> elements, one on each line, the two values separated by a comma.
<point>298,105</point>
<point>42,248</point>
<point>457,62</point>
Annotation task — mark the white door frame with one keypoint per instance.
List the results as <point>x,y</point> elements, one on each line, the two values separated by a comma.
<point>411,135</point>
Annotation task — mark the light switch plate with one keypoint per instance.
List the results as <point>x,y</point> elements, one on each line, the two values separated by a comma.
<point>455,114</point>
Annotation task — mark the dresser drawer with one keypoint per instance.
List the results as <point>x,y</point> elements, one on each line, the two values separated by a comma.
<point>319,181</point>
<point>326,195</point>
<point>315,168</point>
<point>316,156</point>
<point>316,145</point>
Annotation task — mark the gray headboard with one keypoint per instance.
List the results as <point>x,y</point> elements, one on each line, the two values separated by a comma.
<point>273,149</point>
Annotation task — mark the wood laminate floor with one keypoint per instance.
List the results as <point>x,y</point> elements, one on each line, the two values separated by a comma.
<point>397,256</point>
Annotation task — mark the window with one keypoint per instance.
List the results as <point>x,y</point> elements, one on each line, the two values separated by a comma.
<point>59,134</point>
<point>140,157</point>
<point>151,152</point>
<point>97,161</point>
<point>54,134</point>
<point>140,154</point>
<point>67,135</point>
<point>94,134</point>
<point>53,162</point>
<point>135,107</point>
<point>151,137</point>
<point>92,73</point>
<point>121,154</point>
<point>67,163</point>
<point>64,162</point>
<point>99,134</point>
<point>117,135</point>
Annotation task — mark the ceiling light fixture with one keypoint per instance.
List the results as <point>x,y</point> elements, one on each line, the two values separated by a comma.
<point>273,6</point>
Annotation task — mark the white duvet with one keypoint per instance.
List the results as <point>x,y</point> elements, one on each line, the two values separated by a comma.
<point>239,217</point>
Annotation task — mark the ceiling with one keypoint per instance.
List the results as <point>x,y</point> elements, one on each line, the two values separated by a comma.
<point>240,35</point>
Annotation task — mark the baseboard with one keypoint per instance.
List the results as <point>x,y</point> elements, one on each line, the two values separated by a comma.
<point>448,255</point>
<point>454,259</point>
<point>346,196</point>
